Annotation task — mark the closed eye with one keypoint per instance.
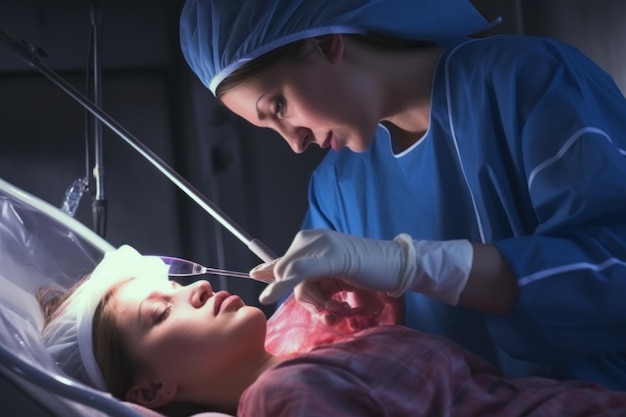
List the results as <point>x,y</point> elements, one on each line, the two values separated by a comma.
<point>162,315</point>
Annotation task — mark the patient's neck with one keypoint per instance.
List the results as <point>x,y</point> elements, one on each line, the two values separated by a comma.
<point>226,396</point>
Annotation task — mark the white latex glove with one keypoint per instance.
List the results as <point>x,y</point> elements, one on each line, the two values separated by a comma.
<point>436,268</point>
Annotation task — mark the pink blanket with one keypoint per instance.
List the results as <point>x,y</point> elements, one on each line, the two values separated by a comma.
<point>292,329</point>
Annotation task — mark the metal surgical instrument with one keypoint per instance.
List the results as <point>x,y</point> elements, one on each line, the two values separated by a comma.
<point>183,268</point>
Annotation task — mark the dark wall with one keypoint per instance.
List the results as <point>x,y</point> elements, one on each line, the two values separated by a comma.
<point>596,27</point>
<point>42,130</point>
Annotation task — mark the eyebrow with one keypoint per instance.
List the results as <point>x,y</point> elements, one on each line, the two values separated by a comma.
<point>139,308</point>
<point>139,312</point>
<point>260,115</point>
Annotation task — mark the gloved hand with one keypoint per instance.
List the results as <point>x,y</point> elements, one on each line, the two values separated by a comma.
<point>436,268</point>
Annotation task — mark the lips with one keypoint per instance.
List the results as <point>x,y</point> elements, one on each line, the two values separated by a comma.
<point>224,301</point>
<point>326,142</point>
<point>219,298</point>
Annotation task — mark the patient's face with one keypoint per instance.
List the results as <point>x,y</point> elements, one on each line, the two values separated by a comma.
<point>188,334</point>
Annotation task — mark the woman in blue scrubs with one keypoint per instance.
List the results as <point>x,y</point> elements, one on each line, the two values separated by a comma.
<point>484,179</point>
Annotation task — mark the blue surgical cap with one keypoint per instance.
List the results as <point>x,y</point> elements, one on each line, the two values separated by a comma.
<point>219,36</point>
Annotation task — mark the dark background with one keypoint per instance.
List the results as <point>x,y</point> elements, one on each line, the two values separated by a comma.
<point>249,173</point>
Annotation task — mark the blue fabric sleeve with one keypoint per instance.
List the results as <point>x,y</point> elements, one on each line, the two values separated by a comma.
<point>572,270</point>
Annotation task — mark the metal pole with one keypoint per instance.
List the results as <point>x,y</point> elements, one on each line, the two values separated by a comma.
<point>99,205</point>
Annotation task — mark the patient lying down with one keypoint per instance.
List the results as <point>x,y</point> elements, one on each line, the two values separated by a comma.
<point>180,350</point>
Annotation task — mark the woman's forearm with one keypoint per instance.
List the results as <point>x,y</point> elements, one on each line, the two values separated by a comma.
<point>491,286</point>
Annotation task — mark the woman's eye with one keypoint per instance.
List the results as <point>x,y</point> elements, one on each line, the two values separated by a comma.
<point>163,315</point>
<point>279,107</point>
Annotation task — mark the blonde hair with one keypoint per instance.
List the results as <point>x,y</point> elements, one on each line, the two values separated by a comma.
<point>119,368</point>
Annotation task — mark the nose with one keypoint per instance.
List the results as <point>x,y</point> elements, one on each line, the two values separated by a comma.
<point>298,138</point>
<point>200,292</point>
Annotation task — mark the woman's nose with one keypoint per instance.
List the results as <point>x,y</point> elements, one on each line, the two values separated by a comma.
<point>298,138</point>
<point>200,292</point>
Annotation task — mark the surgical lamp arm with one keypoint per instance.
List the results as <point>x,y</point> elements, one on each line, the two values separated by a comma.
<point>30,52</point>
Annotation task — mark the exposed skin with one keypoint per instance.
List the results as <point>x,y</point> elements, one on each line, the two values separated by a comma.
<point>337,96</point>
<point>201,347</point>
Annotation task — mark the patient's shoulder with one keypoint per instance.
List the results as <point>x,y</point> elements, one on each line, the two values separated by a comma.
<point>369,369</point>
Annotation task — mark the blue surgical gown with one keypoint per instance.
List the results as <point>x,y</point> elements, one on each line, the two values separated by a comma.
<point>526,149</point>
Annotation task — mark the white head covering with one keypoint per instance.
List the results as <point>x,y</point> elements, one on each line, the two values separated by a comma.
<point>218,36</point>
<point>69,336</point>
